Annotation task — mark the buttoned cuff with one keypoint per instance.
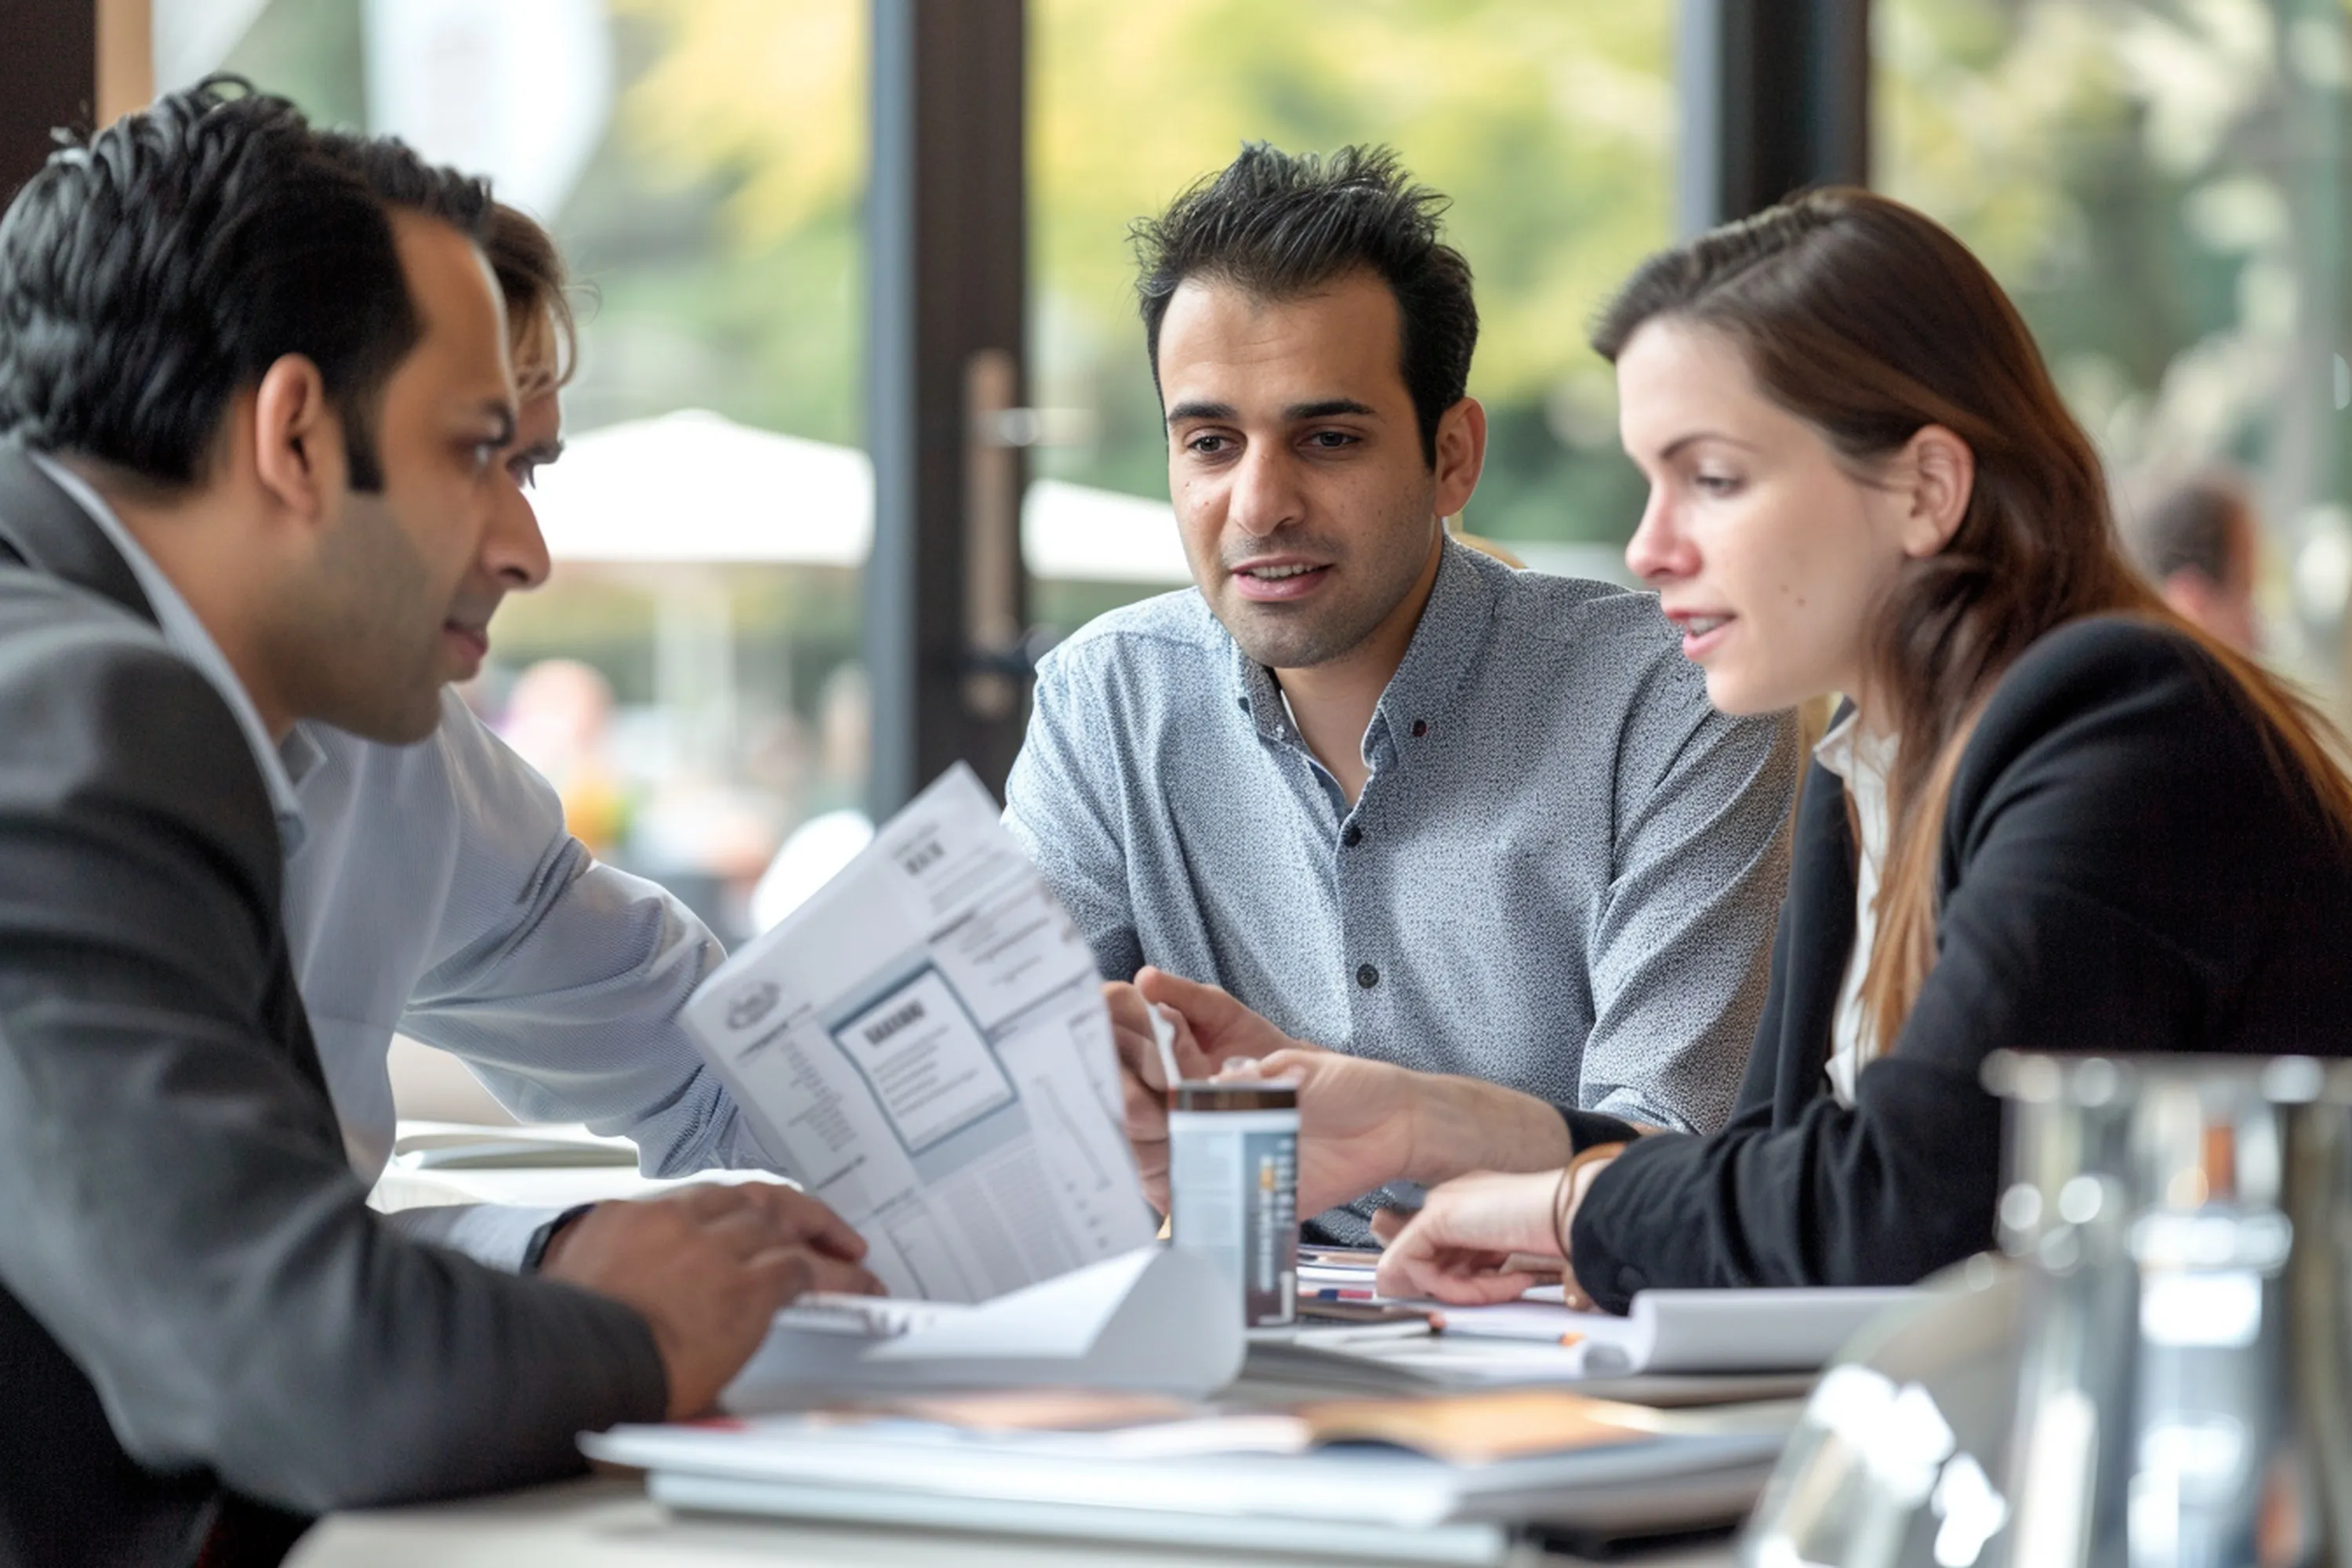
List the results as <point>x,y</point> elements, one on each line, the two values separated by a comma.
<point>505,1236</point>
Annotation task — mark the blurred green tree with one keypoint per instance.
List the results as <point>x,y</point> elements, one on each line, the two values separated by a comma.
<point>2160,186</point>
<point>1550,125</point>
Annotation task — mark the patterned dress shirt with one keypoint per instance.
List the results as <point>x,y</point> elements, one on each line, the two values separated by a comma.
<point>1562,874</point>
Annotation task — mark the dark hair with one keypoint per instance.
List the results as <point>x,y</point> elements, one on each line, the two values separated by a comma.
<point>149,276</point>
<point>1280,225</point>
<point>1870,322</point>
<point>531,276</point>
<point>2193,526</point>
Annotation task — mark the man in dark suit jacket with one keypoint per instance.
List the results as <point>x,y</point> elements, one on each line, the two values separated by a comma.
<point>253,389</point>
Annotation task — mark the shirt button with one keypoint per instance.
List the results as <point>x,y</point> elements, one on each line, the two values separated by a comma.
<point>1367,976</point>
<point>1420,727</point>
<point>1353,836</point>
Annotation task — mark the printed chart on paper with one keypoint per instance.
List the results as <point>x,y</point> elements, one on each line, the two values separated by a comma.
<point>924,1046</point>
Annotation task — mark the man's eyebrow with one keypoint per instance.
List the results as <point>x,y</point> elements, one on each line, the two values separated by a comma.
<point>1299,411</point>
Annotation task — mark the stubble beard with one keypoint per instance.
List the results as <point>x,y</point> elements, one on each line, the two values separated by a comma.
<point>1300,637</point>
<point>371,631</point>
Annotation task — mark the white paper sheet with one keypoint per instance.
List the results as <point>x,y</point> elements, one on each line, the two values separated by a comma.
<point>1687,1331</point>
<point>923,1044</point>
<point>1156,1319</point>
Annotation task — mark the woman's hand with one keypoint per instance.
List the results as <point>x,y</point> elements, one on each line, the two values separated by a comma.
<point>1466,1243</point>
<point>1472,1240</point>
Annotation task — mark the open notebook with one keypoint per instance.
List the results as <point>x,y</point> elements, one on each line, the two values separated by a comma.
<point>1536,1338</point>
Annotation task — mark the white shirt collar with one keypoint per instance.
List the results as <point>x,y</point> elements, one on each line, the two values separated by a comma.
<point>1849,751</point>
<point>185,634</point>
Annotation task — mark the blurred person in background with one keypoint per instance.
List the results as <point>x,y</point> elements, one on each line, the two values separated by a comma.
<point>2199,544</point>
<point>2054,816</point>
<point>258,445</point>
<point>559,719</point>
<point>1393,794</point>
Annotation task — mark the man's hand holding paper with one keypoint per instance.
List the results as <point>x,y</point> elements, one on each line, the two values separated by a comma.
<point>706,1267</point>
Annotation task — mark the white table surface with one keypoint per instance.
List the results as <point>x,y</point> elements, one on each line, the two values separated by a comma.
<point>609,1522</point>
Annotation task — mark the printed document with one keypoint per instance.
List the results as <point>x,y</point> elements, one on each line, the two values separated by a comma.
<point>923,1044</point>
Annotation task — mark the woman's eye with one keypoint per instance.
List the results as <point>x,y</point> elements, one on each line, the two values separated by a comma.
<point>523,470</point>
<point>1716,484</point>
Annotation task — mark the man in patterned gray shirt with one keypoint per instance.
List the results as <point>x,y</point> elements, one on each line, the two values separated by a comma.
<point>1402,800</point>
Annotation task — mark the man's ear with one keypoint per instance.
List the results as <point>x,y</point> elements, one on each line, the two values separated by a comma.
<point>1935,478</point>
<point>1461,455</point>
<point>298,442</point>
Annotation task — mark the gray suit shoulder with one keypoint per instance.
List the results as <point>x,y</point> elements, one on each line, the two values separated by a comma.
<point>113,713</point>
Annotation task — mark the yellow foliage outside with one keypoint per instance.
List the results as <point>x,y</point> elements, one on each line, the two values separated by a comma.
<point>1550,121</point>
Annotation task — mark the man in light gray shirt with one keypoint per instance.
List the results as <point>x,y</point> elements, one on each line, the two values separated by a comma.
<point>1401,800</point>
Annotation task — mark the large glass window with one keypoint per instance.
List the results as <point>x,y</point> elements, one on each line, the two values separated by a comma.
<point>1550,125</point>
<point>2161,183</point>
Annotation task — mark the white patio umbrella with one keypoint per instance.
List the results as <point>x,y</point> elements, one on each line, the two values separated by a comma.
<point>696,488</point>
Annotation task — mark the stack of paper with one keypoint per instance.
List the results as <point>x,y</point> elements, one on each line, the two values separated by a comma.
<point>1421,1480</point>
<point>1686,1331</point>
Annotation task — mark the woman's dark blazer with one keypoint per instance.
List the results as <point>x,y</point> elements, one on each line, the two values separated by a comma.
<point>2125,867</point>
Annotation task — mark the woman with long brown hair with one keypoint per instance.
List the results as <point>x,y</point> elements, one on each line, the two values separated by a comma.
<point>2051,815</point>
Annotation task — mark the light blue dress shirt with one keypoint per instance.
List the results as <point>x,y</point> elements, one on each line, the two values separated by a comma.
<point>432,890</point>
<point>1562,874</point>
